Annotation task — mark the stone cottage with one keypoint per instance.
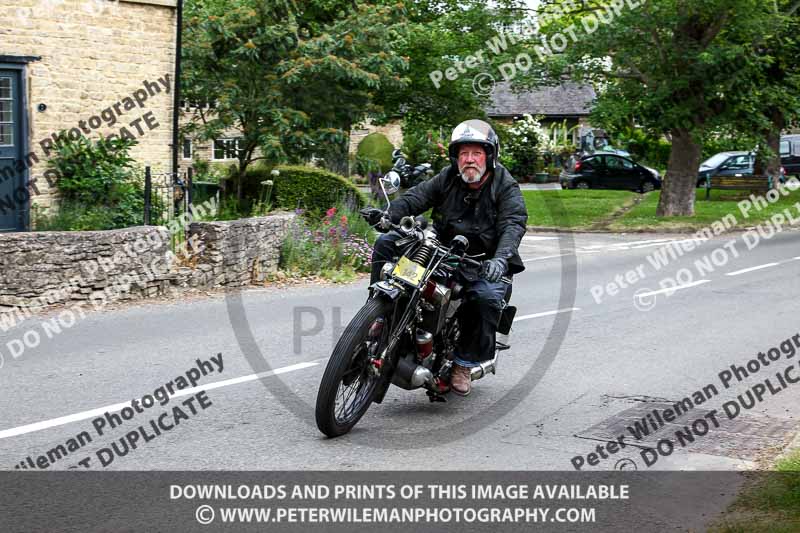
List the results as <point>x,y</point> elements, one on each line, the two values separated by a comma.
<point>569,101</point>
<point>86,67</point>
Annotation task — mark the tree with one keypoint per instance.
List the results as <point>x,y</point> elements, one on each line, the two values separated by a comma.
<point>290,81</point>
<point>777,91</point>
<point>441,34</point>
<point>682,68</point>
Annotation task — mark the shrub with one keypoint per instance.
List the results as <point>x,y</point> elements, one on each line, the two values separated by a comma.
<point>525,141</point>
<point>312,189</point>
<point>376,148</point>
<point>643,147</point>
<point>211,172</point>
<point>426,148</point>
<point>71,216</point>
<point>98,186</point>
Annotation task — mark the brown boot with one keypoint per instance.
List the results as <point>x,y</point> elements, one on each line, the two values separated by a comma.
<point>460,379</point>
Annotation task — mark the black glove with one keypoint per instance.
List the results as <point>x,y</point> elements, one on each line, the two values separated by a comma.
<point>372,215</point>
<point>493,269</point>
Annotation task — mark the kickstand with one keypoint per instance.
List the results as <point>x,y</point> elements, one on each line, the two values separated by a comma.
<point>435,397</point>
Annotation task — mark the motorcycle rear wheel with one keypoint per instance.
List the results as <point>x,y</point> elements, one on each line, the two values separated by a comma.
<point>348,386</point>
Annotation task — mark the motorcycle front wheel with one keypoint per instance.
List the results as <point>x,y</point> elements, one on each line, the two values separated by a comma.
<point>348,384</point>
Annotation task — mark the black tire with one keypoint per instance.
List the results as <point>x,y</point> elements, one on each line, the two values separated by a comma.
<point>348,370</point>
<point>647,186</point>
<point>582,185</point>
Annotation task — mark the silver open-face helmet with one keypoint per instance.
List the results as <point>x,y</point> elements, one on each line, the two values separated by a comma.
<point>475,132</point>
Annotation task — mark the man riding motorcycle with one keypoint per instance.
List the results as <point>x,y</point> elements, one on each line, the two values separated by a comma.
<point>475,197</point>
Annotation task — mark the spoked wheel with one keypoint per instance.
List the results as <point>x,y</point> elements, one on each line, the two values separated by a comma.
<point>349,382</point>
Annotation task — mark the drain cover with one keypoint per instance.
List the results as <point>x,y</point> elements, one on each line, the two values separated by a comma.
<point>744,437</point>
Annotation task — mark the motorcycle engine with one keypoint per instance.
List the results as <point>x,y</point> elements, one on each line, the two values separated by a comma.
<point>435,314</point>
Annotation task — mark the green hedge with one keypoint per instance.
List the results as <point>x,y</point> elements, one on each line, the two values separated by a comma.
<point>308,188</point>
<point>377,149</point>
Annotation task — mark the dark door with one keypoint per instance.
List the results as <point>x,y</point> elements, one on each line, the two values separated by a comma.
<point>621,173</point>
<point>11,179</point>
<point>591,171</point>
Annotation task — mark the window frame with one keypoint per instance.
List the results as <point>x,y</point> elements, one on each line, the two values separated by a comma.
<point>184,142</point>
<point>236,140</point>
<point>13,120</point>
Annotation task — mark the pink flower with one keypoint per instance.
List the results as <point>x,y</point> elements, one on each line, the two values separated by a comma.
<point>330,212</point>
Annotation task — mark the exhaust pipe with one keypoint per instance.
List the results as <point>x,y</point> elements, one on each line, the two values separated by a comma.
<point>486,367</point>
<point>421,376</point>
<point>409,375</point>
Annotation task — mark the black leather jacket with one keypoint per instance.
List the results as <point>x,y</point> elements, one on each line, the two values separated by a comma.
<point>493,218</point>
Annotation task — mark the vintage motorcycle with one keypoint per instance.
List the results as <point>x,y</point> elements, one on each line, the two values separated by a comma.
<point>407,331</point>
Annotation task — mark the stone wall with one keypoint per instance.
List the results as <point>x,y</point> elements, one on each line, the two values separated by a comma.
<point>38,269</point>
<point>238,252</point>
<point>393,131</point>
<point>41,268</point>
<point>94,53</point>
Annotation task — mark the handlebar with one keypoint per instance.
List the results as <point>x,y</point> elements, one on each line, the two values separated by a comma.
<point>479,264</point>
<point>409,224</point>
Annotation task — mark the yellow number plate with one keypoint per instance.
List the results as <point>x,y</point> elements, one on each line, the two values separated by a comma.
<point>408,271</point>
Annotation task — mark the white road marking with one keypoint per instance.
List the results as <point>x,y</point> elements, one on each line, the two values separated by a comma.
<point>649,245</point>
<point>538,238</point>
<point>92,413</point>
<point>545,257</point>
<point>624,245</point>
<point>63,420</point>
<point>746,270</point>
<point>672,289</point>
<point>547,313</point>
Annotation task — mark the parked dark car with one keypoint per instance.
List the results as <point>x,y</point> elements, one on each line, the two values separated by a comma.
<point>610,171</point>
<point>790,155</point>
<point>727,164</point>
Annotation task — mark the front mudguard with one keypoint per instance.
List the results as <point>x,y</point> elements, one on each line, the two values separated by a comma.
<point>386,288</point>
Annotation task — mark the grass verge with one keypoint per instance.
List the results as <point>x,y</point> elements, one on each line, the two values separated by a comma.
<point>770,503</point>
<point>574,209</point>
<point>643,216</point>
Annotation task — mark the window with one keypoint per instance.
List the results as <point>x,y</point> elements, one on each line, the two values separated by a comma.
<point>738,162</point>
<point>6,113</point>
<point>226,149</point>
<point>714,161</point>
<point>785,149</point>
<point>189,105</point>
<point>187,148</point>
<point>618,163</point>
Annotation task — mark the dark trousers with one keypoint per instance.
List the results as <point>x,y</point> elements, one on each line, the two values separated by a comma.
<point>479,313</point>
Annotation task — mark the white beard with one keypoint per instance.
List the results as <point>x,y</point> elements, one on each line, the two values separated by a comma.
<point>477,176</point>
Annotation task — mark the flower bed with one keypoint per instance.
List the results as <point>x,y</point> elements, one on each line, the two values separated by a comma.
<point>335,247</point>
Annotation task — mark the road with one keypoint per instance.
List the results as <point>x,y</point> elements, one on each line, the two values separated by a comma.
<point>575,365</point>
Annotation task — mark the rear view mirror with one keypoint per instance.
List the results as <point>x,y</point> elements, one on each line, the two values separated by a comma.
<point>390,182</point>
